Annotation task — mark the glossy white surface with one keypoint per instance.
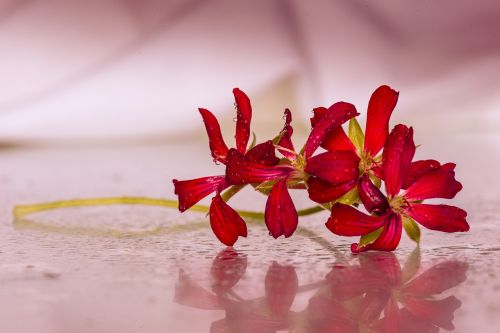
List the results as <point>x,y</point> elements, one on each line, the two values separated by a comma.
<point>65,271</point>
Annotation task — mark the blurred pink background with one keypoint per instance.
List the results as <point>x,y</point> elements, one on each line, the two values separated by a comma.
<point>129,71</point>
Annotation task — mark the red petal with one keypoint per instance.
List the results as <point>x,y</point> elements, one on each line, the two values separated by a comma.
<point>398,153</point>
<point>227,269</point>
<point>286,137</point>
<point>335,167</point>
<point>318,113</point>
<point>336,139</point>
<point>243,118</point>
<point>281,285</point>
<point>263,153</point>
<point>336,115</point>
<point>216,142</point>
<point>439,217</point>
<point>378,171</point>
<point>321,191</point>
<point>388,239</point>
<point>380,107</point>
<point>281,216</point>
<point>440,183</point>
<point>417,169</point>
<point>226,224</point>
<point>348,221</point>
<point>240,170</point>
<point>371,196</point>
<point>193,190</point>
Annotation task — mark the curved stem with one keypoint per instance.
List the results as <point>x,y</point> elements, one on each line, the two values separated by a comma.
<point>230,192</point>
<point>24,210</point>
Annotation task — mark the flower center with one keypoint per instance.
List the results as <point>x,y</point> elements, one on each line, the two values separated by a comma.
<point>396,203</point>
<point>299,165</point>
<point>366,163</point>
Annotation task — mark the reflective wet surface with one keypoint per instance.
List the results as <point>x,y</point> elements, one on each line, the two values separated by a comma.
<point>148,269</point>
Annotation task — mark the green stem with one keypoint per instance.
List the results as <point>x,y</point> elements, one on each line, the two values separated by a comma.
<point>230,192</point>
<point>24,210</point>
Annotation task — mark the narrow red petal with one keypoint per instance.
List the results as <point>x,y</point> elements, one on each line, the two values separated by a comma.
<point>243,119</point>
<point>417,169</point>
<point>281,216</point>
<point>193,190</point>
<point>281,284</point>
<point>226,224</point>
<point>378,171</point>
<point>337,138</point>
<point>336,115</point>
<point>348,221</point>
<point>318,113</point>
<point>286,137</point>
<point>398,153</point>
<point>373,199</point>
<point>440,183</point>
<point>263,153</point>
<point>216,142</point>
<point>321,191</point>
<point>439,217</point>
<point>335,167</point>
<point>240,170</point>
<point>388,239</point>
<point>382,103</point>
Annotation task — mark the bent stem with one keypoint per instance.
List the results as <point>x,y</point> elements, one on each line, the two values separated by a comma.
<point>25,210</point>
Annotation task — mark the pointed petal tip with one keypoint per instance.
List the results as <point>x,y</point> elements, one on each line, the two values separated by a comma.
<point>226,223</point>
<point>439,217</point>
<point>380,107</point>
<point>356,249</point>
<point>280,215</point>
<point>216,142</point>
<point>335,116</point>
<point>243,119</point>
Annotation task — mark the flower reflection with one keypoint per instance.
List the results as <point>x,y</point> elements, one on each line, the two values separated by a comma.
<point>373,293</point>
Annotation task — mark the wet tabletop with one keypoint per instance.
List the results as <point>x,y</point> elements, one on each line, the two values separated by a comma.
<point>151,269</point>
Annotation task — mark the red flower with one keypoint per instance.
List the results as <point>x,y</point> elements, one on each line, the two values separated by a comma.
<point>225,221</point>
<point>350,171</point>
<point>437,183</point>
<point>280,215</point>
<point>361,160</point>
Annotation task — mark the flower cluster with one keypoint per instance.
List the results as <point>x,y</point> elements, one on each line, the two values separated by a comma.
<point>348,172</point>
